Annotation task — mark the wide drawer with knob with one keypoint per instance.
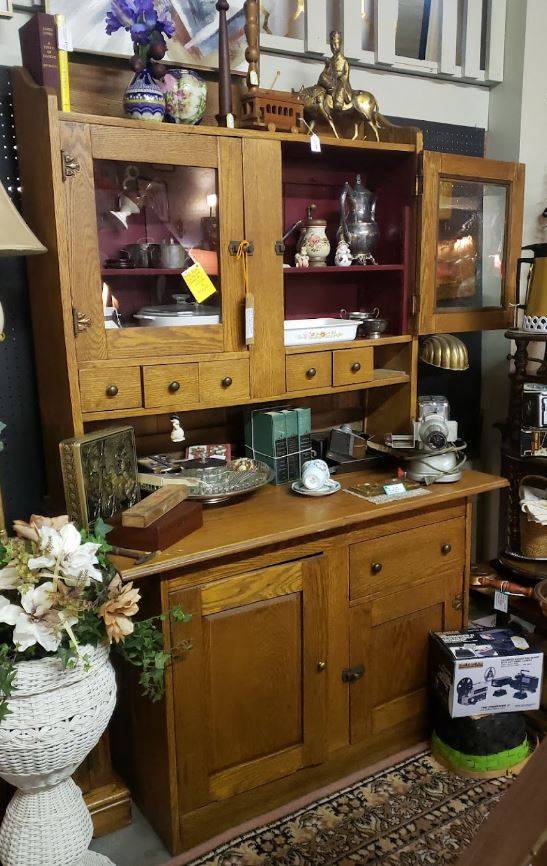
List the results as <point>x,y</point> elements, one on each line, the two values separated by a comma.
<point>107,388</point>
<point>170,385</point>
<point>393,561</point>
<point>310,370</point>
<point>224,381</point>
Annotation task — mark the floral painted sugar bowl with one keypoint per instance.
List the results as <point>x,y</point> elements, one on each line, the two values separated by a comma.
<point>185,96</point>
<point>144,99</point>
<point>313,236</point>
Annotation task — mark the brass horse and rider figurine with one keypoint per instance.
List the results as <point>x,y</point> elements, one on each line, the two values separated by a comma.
<point>333,100</point>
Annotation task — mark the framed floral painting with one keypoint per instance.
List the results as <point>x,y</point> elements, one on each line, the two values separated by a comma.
<point>194,42</point>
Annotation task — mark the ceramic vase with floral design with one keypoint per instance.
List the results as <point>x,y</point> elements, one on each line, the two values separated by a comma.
<point>185,96</point>
<point>313,237</point>
<point>144,99</point>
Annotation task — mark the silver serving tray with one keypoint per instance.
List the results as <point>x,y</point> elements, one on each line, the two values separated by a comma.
<point>237,484</point>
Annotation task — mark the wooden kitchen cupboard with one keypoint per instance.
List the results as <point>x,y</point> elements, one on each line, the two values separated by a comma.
<point>308,650</point>
<point>450,233</point>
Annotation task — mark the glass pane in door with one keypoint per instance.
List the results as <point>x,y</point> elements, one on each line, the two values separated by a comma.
<point>471,244</point>
<point>154,222</point>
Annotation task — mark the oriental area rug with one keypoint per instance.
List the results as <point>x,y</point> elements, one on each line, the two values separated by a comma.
<point>414,813</point>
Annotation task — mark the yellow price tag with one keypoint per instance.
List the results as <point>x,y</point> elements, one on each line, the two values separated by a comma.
<point>199,283</point>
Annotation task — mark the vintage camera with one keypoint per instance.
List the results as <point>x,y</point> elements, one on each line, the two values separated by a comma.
<point>534,406</point>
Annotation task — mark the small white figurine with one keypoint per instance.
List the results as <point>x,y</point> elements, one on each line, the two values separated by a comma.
<point>343,257</point>
<point>177,433</point>
<point>302,259</point>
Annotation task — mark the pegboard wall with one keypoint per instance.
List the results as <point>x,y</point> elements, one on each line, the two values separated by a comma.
<point>21,462</point>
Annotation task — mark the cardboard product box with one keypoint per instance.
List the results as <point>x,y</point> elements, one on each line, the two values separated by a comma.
<point>485,671</point>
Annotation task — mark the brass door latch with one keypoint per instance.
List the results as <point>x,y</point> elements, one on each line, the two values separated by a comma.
<point>352,675</point>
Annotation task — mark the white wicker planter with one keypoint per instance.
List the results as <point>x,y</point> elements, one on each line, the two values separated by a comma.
<point>56,719</point>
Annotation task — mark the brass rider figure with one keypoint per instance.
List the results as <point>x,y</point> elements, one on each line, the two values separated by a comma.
<point>335,76</point>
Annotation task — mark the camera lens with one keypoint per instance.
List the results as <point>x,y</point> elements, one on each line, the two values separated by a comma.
<point>437,440</point>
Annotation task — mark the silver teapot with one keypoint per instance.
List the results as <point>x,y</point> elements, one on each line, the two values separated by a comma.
<point>358,224</point>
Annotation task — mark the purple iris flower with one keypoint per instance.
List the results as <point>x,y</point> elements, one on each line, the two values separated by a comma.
<point>140,18</point>
<point>146,13</point>
<point>121,14</point>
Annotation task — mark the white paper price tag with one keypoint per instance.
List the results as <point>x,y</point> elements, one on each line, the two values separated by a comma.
<point>253,78</point>
<point>249,325</point>
<point>315,143</point>
<point>394,489</point>
<point>501,601</point>
<point>64,36</point>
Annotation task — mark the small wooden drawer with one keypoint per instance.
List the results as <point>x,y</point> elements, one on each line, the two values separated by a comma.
<point>388,563</point>
<point>224,381</point>
<point>103,388</point>
<point>352,366</point>
<point>170,385</point>
<point>311,370</point>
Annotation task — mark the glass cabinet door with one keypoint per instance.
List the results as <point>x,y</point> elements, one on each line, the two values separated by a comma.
<point>471,236</point>
<point>151,271</point>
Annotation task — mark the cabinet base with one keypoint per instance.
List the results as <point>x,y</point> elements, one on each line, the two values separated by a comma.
<point>212,820</point>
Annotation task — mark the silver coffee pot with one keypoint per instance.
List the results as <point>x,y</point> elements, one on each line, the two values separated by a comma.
<point>358,224</point>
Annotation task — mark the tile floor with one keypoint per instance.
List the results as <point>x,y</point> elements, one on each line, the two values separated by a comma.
<point>136,845</point>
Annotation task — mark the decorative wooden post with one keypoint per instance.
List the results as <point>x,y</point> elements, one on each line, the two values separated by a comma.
<point>252,53</point>
<point>225,115</point>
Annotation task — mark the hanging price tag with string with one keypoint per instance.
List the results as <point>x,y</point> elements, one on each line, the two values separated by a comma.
<point>242,254</point>
<point>199,283</point>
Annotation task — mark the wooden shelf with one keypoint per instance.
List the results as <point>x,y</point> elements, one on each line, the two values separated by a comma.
<point>334,269</point>
<point>348,344</point>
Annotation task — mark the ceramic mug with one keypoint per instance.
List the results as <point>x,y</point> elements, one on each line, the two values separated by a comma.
<point>315,474</point>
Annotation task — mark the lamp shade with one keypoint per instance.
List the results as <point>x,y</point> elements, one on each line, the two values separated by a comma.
<point>16,239</point>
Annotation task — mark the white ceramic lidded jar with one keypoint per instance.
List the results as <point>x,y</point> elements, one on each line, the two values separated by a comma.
<point>313,237</point>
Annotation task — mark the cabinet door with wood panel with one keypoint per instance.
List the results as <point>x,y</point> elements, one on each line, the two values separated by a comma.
<point>389,639</point>
<point>250,694</point>
<point>141,205</point>
<point>471,234</point>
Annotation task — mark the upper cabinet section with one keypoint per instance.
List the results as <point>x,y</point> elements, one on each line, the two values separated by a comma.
<point>141,209</point>
<point>470,239</point>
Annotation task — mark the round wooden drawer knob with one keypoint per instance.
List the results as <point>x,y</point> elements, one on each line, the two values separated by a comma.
<point>355,367</point>
<point>112,391</point>
<point>311,373</point>
<point>376,567</point>
<point>173,387</point>
<point>227,381</point>
<point>446,549</point>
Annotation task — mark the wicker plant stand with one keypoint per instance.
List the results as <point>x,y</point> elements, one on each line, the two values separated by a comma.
<point>56,718</point>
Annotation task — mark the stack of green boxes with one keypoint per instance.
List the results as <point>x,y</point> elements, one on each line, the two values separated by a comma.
<point>282,439</point>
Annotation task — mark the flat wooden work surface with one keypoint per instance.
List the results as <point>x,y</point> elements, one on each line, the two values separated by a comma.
<point>275,515</point>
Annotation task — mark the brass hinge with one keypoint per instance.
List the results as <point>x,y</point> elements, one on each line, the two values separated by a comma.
<point>351,675</point>
<point>280,248</point>
<point>419,188</point>
<point>69,164</point>
<point>414,304</point>
<point>457,602</point>
<point>81,321</point>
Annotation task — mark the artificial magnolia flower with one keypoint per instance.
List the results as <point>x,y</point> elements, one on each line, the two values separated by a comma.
<point>62,551</point>
<point>36,621</point>
<point>116,612</point>
<point>9,577</point>
<point>29,531</point>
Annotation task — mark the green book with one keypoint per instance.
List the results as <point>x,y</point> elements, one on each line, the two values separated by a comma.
<point>266,440</point>
<point>291,420</point>
<point>303,414</point>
